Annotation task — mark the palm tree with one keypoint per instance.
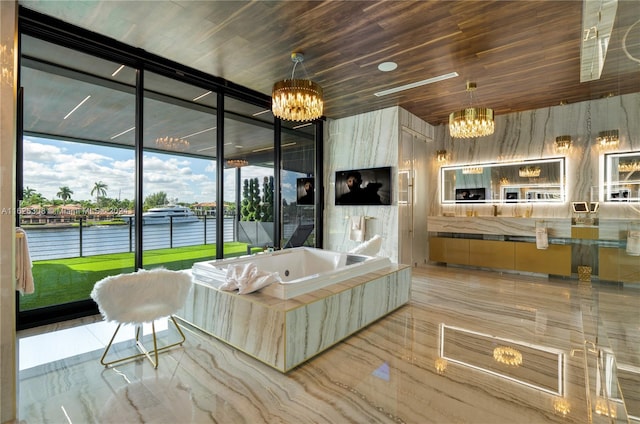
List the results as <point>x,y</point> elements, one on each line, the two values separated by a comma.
<point>28,192</point>
<point>99,189</point>
<point>65,194</point>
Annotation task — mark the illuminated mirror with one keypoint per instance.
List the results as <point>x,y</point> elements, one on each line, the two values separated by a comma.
<point>622,177</point>
<point>536,181</point>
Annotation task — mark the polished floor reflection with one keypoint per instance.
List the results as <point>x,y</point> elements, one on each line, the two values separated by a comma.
<point>471,347</point>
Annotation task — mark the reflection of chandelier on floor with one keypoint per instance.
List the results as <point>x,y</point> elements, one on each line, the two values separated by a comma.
<point>508,356</point>
<point>561,406</point>
<point>172,143</point>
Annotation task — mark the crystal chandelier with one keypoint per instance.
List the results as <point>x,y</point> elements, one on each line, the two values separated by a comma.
<point>172,143</point>
<point>472,121</point>
<point>297,99</point>
<point>508,356</point>
<point>529,171</point>
<point>237,163</point>
<point>608,139</point>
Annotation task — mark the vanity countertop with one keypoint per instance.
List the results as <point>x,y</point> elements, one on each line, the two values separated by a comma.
<point>499,225</point>
<point>609,229</point>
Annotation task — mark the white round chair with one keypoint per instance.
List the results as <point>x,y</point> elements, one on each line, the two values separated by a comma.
<point>141,297</point>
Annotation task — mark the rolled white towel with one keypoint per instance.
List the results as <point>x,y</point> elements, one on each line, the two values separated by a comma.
<point>542,238</point>
<point>247,278</point>
<point>370,247</point>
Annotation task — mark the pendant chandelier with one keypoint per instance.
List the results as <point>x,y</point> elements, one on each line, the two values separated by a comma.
<point>172,143</point>
<point>297,99</point>
<point>237,163</point>
<point>472,121</point>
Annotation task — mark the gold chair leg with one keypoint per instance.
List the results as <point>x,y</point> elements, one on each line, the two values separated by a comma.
<point>140,346</point>
<point>106,350</point>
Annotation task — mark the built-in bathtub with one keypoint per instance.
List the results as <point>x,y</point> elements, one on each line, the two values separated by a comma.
<point>301,269</point>
<point>326,297</point>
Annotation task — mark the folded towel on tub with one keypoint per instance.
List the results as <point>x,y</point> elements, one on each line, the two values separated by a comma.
<point>247,278</point>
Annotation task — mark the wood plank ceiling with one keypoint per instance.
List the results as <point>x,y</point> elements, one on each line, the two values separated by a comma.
<point>523,54</point>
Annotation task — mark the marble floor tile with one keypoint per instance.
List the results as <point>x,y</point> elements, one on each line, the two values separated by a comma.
<point>431,361</point>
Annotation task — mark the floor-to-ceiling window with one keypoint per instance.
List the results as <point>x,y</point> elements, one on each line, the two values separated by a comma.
<point>178,173</point>
<point>144,166</point>
<point>77,171</point>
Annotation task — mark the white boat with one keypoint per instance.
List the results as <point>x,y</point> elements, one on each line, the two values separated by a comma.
<point>167,214</point>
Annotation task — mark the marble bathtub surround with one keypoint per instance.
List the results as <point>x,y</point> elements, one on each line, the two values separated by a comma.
<point>295,330</point>
<point>392,371</point>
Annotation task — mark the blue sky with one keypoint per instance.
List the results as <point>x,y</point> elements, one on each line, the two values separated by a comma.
<point>51,164</point>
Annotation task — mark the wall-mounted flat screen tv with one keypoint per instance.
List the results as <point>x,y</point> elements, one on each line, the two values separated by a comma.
<point>370,186</point>
<point>304,189</point>
<point>471,195</point>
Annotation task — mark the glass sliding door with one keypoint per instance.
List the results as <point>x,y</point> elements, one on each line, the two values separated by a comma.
<point>77,172</point>
<point>178,174</point>
<point>250,188</point>
<point>300,185</point>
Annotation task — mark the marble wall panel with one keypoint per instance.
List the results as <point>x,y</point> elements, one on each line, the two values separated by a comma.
<point>8,40</point>
<point>531,135</point>
<point>364,141</point>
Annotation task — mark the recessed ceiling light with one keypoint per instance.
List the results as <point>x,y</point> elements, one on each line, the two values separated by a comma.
<point>387,66</point>
<point>416,84</point>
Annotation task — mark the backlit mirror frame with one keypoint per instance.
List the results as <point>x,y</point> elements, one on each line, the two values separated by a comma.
<point>622,177</point>
<point>504,182</point>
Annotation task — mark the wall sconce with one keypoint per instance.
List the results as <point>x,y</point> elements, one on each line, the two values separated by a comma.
<point>441,156</point>
<point>563,143</point>
<point>608,139</point>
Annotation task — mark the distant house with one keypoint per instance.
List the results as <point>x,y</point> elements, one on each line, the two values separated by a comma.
<point>204,209</point>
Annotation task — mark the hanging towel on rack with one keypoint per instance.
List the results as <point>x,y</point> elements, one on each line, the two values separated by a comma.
<point>24,276</point>
<point>633,242</point>
<point>542,238</point>
<point>356,232</point>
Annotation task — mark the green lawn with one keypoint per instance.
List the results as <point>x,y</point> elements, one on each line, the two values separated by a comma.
<point>67,280</point>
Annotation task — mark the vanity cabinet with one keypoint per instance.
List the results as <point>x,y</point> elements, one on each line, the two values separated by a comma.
<point>492,253</point>
<point>450,250</point>
<point>615,265</point>
<point>507,255</point>
<point>556,259</point>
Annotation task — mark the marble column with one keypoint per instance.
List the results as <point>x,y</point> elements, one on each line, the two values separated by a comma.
<point>8,61</point>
